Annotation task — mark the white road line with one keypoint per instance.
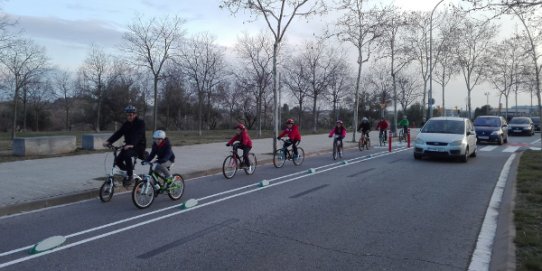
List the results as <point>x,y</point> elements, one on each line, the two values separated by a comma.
<point>511,149</point>
<point>488,148</point>
<point>333,166</point>
<point>535,148</point>
<point>536,141</point>
<point>481,257</point>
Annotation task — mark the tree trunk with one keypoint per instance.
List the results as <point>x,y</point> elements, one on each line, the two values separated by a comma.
<point>14,119</point>
<point>155,107</point>
<point>275,97</point>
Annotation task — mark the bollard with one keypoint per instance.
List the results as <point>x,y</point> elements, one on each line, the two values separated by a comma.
<point>390,134</point>
<point>408,138</point>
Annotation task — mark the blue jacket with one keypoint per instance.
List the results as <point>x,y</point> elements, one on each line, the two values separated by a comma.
<point>163,152</point>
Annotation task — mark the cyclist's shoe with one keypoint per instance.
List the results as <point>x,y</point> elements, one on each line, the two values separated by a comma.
<point>127,181</point>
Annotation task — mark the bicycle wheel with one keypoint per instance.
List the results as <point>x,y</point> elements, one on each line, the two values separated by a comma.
<point>381,140</point>
<point>279,158</point>
<point>340,149</point>
<point>401,136</point>
<point>176,188</point>
<point>367,143</point>
<point>143,194</point>
<point>334,150</point>
<point>107,190</point>
<point>252,164</point>
<point>300,157</point>
<point>361,142</point>
<point>229,167</point>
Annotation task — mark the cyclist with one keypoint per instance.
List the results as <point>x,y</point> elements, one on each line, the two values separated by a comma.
<point>135,142</point>
<point>245,143</point>
<point>294,136</point>
<point>404,124</point>
<point>161,148</point>
<point>382,127</point>
<point>364,127</point>
<point>338,131</point>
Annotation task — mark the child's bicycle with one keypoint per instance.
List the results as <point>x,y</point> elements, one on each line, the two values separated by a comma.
<point>233,161</point>
<point>337,148</point>
<point>150,185</point>
<point>281,155</point>
<point>364,141</point>
<point>108,187</point>
<point>402,137</point>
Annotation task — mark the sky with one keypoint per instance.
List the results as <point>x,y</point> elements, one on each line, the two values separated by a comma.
<point>66,28</point>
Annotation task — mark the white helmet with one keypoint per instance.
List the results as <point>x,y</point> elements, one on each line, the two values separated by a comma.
<point>365,119</point>
<point>159,134</point>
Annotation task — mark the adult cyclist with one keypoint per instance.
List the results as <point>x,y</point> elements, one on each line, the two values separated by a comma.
<point>364,127</point>
<point>294,136</point>
<point>382,128</point>
<point>404,124</point>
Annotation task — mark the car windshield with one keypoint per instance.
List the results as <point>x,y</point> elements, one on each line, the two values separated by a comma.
<point>519,121</point>
<point>536,120</point>
<point>444,127</point>
<point>491,122</point>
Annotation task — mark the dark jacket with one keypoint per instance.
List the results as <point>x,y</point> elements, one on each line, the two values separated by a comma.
<point>134,134</point>
<point>364,126</point>
<point>163,152</point>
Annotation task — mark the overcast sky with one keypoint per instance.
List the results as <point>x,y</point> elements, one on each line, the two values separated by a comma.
<point>67,27</point>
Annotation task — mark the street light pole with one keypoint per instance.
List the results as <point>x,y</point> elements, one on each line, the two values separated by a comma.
<point>430,95</point>
<point>487,97</point>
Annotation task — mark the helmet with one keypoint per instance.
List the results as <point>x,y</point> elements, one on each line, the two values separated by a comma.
<point>364,119</point>
<point>159,134</point>
<point>130,109</point>
<point>339,121</point>
<point>240,126</point>
<point>290,121</point>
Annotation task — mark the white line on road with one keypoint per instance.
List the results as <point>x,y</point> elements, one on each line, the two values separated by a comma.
<point>482,254</point>
<point>535,148</point>
<point>331,167</point>
<point>488,148</point>
<point>536,141</point>
<point>511,149</point>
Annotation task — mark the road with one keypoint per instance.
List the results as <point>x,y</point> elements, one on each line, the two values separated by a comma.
<point>385,211</point>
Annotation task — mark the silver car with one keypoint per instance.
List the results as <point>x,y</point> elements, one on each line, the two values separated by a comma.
<point>446,137</point>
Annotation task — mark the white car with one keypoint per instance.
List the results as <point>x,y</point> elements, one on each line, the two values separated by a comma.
<point>446,137</point>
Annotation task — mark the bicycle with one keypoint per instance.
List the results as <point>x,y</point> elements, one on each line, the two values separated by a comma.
<point>337,148</point>
<point>232,162</point>
<point>152,184</point>
<point>364,141</point>
<point>382,138</point>
<point>108,187</point>
<point>401,137</point>
<point>281,155</point>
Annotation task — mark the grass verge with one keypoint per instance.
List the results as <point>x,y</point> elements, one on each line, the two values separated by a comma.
<point>528,212</point>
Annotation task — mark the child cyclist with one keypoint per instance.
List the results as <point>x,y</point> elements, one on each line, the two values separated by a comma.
<point>339,132</point>
<point>161,148</point>
<point>294,137</point>
<point>244,143</point>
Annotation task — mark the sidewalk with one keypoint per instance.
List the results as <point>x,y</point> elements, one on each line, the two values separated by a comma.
<point>34,184</point>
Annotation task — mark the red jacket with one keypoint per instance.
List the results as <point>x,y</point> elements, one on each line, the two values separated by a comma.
<point>244,138</point>
<point>293,133</point>
<point>382,125</point>
<point>336,131</point>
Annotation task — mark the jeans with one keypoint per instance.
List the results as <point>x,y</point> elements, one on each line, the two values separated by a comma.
<point>294,144</point>
<point>245,151</point>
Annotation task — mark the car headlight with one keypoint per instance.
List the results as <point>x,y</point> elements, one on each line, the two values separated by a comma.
<point>498,132</point>
<point>526,128</point>
<point>456,143</point>
<point>419,141</point>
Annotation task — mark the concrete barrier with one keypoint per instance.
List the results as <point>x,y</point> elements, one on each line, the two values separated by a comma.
<point>94,141</point>
<point>43,145</point>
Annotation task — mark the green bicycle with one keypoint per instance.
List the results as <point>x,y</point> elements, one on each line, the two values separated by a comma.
<point>153,184</point>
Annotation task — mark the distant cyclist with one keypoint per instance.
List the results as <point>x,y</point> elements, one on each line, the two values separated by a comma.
<point>245,143</point>
<point>294,136</point>
<point>404,124</point>
<point>339,132</point>
<point>133,131</point>
<point>161,148</point>
<point>382,127</point>
<point>364,127</point>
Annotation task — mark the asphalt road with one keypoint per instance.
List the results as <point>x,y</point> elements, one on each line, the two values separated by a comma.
<point>383,212</point>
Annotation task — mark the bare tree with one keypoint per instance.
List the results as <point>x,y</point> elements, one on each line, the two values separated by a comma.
<point>40,94</point>
<point>256,56</point>
<point>202,62</point>
<point>339,87</point>
<point>294,79</point>
<point>278,15</point>
<point>24,62</point>
<point>65,89</point>
<point>474,40</point>
<point>409,89</point>
<point>150,44</point>
<point>361,28</point>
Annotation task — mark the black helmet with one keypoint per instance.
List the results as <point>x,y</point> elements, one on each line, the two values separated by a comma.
<point>130,109</point>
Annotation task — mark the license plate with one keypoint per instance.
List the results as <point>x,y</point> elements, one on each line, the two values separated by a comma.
<point>517,131</point>
<point>435,149</point>
<point>483,137</point>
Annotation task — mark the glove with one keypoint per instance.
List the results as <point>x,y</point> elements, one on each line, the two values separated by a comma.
<point>227,145</point>
<point>144,163</point>
<point>330,136</point>
<point>278,137</point>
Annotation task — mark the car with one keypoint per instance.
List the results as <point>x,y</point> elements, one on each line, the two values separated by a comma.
<point>536,122</point>
<point>450,137</point>
<point>491,129</point>
<point>521,125</point>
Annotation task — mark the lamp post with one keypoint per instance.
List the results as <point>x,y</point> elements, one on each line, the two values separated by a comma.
<point>487,97</point>
<point>430,95</point>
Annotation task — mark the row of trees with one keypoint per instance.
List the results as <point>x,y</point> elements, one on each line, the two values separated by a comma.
<point>190,82</point>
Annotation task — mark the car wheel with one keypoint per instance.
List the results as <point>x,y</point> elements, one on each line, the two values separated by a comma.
<point>506,139</point>
<point>475,152</point>
<point>417,156</point>
<point>465,157</point>
<point>500,140</point>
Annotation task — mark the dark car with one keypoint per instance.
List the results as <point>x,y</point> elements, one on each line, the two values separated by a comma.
<point>521,125</point>
<point>491,129</point>
<point>536,122</point>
